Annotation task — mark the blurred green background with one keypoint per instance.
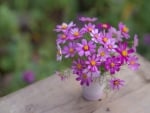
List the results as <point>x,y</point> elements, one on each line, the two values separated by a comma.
<point>27,39</point>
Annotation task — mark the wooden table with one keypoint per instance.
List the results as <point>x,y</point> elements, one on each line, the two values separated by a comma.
<point>53,96</point>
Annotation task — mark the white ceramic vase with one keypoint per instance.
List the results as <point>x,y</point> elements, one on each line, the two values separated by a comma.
<point>94,91</point>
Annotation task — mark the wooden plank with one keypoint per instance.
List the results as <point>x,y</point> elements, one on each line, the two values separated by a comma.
<point>53,96</point>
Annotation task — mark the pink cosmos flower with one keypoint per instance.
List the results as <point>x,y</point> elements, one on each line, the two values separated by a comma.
<point>92,63</point>
<point>69,51</point>
<point>84,79</point>
<point>115,34</point>
<point>116,83</point>
<point>135,43</point>
<point>103,26</point>
<point>95,49</point>
<point>62,38</point>
<point>111,45</point>
<point>64,27</point>
<point>76,33</point>
<point>78,66</point>
<point>123,51</point>
<point>95,35</point>
<point>85,48</point>
<point>103,53</point>
<point>124,30</point>
<point>87,19</point>
<point>132,63</point>
<point>105,37</point>
<point>59,53</point>
<point>88,27</point>
<point>112,64</point>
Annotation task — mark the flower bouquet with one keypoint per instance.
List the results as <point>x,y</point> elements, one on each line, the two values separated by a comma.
<point>96,49</point>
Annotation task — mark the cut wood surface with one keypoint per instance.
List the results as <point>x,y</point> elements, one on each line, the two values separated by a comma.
<point>54,96</point>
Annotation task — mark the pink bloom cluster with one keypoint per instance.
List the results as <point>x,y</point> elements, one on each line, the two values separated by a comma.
<point>96,49</point>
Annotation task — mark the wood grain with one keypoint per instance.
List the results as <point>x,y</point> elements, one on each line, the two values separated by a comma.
<point>53,96</point>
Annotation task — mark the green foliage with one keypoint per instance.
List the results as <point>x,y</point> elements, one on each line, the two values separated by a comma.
<point>8,22</point>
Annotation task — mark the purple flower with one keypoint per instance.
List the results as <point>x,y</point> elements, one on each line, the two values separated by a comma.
<point>87,19</point>
<point>69,51</point>
<point>85,48</point>
<point>76,33</point>
<point>29,76</point>
<point>135,43</point>
<point>105,37</point>
<point>124,30</point>
<point>59,53</point>
<point>146,39</point>
<point>115,34</point>
<point>84,79</point>
<point>62,38</point>
<point>103,26</point>
<point>103,53</point>
<point>89,27</point>
<point>116,83</point>
<point>64,27</point>
<point>78,66</point>
<point>111,45</point>
<point>132,63</point>
<point>95,35</point>
<point>96,49</point>
<point>123,51</point>
<point>92,63</point>
<point>112,64</point>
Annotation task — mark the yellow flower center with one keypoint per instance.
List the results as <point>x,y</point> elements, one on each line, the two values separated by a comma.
<point>132,62</point>
<point>84,76</point>
<point>86,47</point>
<point>110,46</point>
<point>125,29</point>
<point>90,29</point>
<point>64,26</point>
<point>76,33</point>
<point>112,64</point>
<point>63,36</point>
<point>93,63</point>
<point>71,50</point>
<point>105,39</point>
<point>102,53</point>
<point>104,26</point>
<point>116,82</point>
<point>79,66</point>
<point>124,53</point>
